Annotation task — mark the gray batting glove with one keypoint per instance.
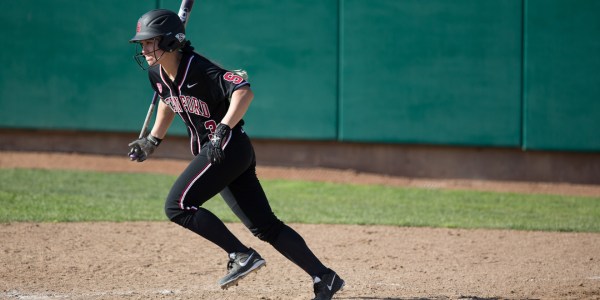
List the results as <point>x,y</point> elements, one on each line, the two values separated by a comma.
<point>142,148</point>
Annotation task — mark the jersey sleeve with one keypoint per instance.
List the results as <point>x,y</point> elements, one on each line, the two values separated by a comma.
<point>226,81</point>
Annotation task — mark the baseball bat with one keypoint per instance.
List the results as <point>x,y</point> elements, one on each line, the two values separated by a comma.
<point>184,14</point>
<point>149,115</point>
<point>185,10</point>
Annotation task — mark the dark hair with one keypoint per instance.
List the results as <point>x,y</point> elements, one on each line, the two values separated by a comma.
<point>187,47</point>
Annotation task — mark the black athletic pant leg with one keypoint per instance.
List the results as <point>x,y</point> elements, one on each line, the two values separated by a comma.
<point>236,178</point>
<point>198,183</point>
<point>246,198</point>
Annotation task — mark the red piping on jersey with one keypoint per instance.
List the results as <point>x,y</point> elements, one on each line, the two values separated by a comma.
<point>186,72</point>
<point>170,92</point>
<point>198,141</point>
<point>181,104</point>
<point>195,130</point>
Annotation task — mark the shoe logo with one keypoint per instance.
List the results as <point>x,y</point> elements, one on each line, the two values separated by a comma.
<point>189,86</point>
<point>332,280</point>
<point>243,264</point>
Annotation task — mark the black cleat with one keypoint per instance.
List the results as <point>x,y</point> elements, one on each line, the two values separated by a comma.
<point>241,264</point>
<point>327,285</point>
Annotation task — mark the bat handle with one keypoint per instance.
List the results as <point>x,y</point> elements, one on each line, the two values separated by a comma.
<point>148,116</point>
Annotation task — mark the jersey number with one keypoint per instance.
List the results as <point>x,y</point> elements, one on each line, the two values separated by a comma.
<point>237,79</point>
<point>211,126</point>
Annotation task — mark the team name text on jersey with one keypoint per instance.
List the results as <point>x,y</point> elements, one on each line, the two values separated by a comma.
<point>188,103</point>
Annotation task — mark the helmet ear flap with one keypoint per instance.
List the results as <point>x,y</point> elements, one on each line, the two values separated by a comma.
<point>167,44</point>
<point>170,46</point>
<point>170,42</point>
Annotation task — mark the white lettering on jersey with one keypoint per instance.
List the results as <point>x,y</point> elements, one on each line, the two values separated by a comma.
<point>190,104</point>
<point>173,104</point>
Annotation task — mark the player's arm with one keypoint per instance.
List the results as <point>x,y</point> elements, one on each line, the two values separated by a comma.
<point>240,100</point>
<point>164,118</point>
<point>239,103</point>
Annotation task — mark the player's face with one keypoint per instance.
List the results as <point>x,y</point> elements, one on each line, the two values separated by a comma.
<point>151,51</point>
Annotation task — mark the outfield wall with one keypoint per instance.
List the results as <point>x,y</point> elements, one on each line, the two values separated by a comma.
<point>504,74</point>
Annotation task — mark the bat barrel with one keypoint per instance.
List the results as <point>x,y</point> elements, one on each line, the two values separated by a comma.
<point>184,10</point>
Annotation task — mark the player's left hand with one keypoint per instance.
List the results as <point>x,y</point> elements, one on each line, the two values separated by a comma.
<point>215,146</point>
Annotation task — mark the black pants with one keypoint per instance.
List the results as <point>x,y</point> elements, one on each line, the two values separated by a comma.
<point>234,176</point>
<point>235,179</point>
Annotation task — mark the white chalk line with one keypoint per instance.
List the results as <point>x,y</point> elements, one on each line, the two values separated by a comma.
<point>14,294</point>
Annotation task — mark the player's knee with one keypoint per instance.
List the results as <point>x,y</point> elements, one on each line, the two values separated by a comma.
<point>180,217</point>
<point>185,220</point>
<point>268,233</point>
<point>170,213</point>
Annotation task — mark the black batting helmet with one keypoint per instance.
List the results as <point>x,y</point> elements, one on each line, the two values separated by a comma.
<point>164,24</point>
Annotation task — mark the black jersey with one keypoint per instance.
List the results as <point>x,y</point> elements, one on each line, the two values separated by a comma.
<point>199,94</point>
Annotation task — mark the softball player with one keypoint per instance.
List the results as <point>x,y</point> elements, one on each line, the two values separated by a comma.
<point>211,102</point>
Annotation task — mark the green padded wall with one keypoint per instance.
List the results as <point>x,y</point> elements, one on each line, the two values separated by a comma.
<point>562,92</point>
<point>289,49</point>
<point>68,65</point>
<point>505,73</point>
<point>435,72</point>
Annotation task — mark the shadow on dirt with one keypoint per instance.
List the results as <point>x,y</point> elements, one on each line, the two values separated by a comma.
<point>392,298</point>
<point>430,298</point>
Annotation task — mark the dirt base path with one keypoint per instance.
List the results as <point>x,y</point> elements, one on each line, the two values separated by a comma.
<point>159,260</point>
<point>75,161</point>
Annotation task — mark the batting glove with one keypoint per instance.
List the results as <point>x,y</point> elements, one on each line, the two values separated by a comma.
<point>215,146</point>
<point>142,148</point>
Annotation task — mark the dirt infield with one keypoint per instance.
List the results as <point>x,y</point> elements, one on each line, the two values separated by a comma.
<point>159,260</point>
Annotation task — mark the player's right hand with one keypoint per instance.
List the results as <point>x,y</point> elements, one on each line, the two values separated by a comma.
<point>142,148</point>
<point>215,151</point>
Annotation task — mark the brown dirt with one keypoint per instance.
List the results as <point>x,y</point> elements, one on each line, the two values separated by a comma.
<point>159,260</point>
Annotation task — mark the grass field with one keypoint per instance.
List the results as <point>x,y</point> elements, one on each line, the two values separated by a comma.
<point>72,196</point>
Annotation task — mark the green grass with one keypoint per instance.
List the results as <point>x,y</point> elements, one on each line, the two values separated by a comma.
<point>72,196</point>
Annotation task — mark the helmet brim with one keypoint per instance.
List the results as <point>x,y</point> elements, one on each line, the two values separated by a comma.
<point>140,36</point>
